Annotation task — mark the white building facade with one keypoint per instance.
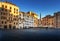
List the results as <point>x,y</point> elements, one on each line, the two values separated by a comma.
<point>21,20</point>
<point>28,21</point>
<point>25,20</point>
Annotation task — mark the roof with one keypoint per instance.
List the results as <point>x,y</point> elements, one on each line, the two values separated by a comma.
<point>10,3</point>
<point>32,13</point>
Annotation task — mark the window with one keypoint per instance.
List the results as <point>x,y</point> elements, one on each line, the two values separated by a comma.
<point>20,18</point>
<point>1,13</point>
<point>2,6</point>
<point>2,17</point>
<point>14,9</point>
<point>14,22</point>
<point>2,9</point>
<point>47,22</point>
<point>5,6</point>
<point>44,23</point>
<point>19,23</point>
<point>17,16</point>
<point>10,22</point>
<point>5,22</point>
<point>10,18</point>
<point>15,19</point>
<point>20,14</point>
<point>2,22</point>
<point>6,10</point>
<point>10,8</point>
<point>10,14</point>
<point>4,13</point>
<point>14,15</point>
<point>17,10</point>
<point>52,23</point>
<point>28,16</point>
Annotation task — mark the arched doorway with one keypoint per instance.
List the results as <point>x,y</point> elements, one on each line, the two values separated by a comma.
<point>10,26</point>
<point>20,27</point>
<point>5,26</point>
<point>14,27</point>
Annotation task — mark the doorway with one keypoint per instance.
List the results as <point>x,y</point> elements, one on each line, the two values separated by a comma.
<point>14,27</point>
<point>10,26</point>
<point>5,26</point>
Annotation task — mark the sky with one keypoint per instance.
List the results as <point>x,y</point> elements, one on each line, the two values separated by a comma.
<point>45,7</point>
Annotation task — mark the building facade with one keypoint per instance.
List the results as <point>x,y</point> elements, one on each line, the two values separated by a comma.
<point>35,19</point>
<point>57,20</point>
<point>48,21</point>
<point>21,20</point>
<point>8,15</point>
<point>28,19</point>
